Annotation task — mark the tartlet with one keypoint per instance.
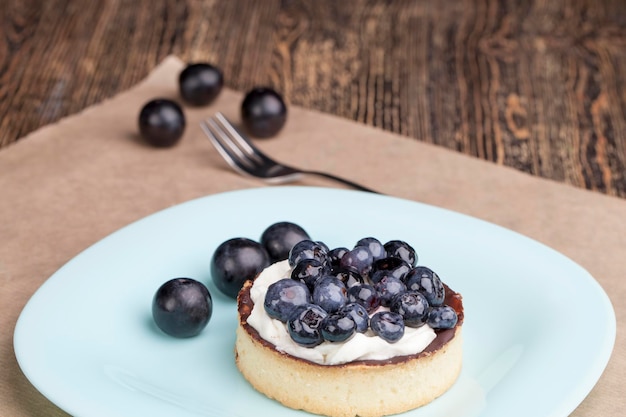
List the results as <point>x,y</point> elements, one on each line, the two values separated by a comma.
<point>364,388</point>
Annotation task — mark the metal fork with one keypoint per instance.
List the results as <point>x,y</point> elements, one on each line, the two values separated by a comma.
<point>248,160</point>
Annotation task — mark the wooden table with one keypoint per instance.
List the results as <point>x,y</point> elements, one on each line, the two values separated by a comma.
<point>538,86</point>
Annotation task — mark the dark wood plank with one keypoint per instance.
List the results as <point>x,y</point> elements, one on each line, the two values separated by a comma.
<point>535,85</point>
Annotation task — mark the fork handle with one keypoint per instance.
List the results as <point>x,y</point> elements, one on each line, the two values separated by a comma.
<point>342,180</point>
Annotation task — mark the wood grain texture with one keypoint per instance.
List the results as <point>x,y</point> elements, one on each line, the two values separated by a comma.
<point>538,85</point>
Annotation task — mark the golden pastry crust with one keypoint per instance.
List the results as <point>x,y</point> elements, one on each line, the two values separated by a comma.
<point>368,388</point>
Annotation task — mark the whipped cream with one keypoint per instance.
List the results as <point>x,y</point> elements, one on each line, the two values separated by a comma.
<point>362,346</point>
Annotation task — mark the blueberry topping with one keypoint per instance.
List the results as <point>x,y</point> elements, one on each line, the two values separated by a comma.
<point>279,238</point>
<point>387,325</point>
<point>236,261</point>
<point>412,306</point>
<point>335,255</point>
<point>307,249</point>
<point>427,282</point>
<point>330,294</point>
<point>442,317</point>
<point>359,260</point>
<point>366,295</point>
<point>389,266</point>
<point>388,287</point>
<point>309,271</point>
<point>182,307</point>
<point>284,296</point>
<point>348,277</point>
<point>401,249</point>
<point>338,327</point>
<point>324,246</point>
<point>359,315</point>
<point>375,247</point>
<point>304,325</point>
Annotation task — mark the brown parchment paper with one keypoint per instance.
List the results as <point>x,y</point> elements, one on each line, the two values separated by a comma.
<point>70,184</point>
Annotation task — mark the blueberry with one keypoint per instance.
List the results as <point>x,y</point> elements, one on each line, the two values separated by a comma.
<point>389,266</point>
<point>348,277</point>
<point>338,327</point>
<point>182,307</point>
<point>412,306</point>
<point>324,246</point>
<point>279,238</point>
<point>427,282</point>
<point>388,287</point>
<point>284,296</point>
<point>330,294</point>
<point>307,249</point>
<point>200,83</point>
<point>263,112</point>
<point>366,295</point>
<point>375,247</point>
<point>442,317</point>
<point>358,314</point>
<point>304,325</point>
<point>309,271</point>
<point>236,261</point>
<point>387,325</point>
<point>401,249</point>
<point>161,123</point>
<point>335,255</point>
<point>359,259</point>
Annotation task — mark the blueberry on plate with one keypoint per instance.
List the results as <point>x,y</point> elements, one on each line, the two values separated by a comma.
<point>182,307</point>
<point>304,325</point>
<point>387,325</point>
<point>280,237</point>
<point>283,296</point>
<point>236,261</point>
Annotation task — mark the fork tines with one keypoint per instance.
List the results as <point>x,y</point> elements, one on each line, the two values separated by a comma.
<point>229,142</point>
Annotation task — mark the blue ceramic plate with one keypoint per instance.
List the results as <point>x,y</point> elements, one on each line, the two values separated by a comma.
<point>538,333</point>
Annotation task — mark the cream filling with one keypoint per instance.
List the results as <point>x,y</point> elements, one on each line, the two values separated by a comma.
<point>363,346</point>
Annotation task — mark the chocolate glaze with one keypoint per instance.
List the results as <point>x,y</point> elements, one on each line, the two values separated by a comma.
<point>453,299</point>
